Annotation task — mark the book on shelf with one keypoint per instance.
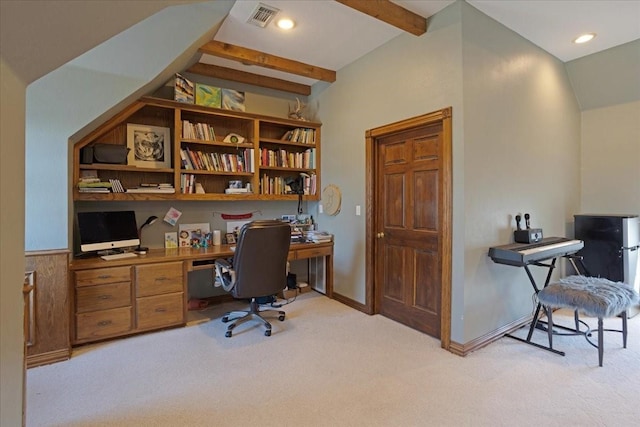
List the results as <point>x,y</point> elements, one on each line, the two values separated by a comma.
<point>236,191</point>
<point>94,190</point>
<point>168,189</point>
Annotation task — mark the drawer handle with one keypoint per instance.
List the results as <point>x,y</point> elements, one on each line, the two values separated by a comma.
<point>160,310</point>
<point>104,297</point>
<point>162,278</point>
<point>104,323</point>
<point>104,276</point>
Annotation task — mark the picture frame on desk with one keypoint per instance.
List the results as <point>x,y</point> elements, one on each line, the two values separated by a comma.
<point>149,146</point>
<point>231,238</point>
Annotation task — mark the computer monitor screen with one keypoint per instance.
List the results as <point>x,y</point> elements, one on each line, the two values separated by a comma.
<point>100,231</point>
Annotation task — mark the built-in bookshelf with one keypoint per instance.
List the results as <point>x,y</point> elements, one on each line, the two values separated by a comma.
<point>208,148</point>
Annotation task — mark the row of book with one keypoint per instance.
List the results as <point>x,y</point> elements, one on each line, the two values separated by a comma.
<point>188,183</point>
<point>203,131</point>
<point>221,162</point>
<point>302,135</point>
<point>278,185</point>
<point>286,159</point>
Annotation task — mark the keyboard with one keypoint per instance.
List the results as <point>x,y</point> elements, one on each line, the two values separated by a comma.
<point>118,256</point>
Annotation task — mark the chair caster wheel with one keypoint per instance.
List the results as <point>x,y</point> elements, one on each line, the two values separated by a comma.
<point>281,317</point>
<point>228,334</point>
<point>267,333</point>
<point>225,319</point>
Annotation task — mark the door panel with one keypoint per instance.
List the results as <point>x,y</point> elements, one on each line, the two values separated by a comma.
<point>408,216</point>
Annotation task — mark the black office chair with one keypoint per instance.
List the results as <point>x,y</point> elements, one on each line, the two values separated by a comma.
<point>258,269</point>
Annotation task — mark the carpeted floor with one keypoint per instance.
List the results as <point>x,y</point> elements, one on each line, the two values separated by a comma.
<point>330,365</point>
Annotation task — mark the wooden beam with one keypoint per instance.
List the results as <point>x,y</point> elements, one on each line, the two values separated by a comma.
<point>249,78</point>
<point>255,57</point>
<point>390,13</point>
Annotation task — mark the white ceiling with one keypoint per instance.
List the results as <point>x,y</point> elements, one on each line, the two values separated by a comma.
<point>331,35</point>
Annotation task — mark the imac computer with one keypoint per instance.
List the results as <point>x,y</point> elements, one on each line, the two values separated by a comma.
<point>107,232</point>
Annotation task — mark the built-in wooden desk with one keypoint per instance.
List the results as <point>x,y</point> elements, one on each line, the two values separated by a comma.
<point>131,295</point>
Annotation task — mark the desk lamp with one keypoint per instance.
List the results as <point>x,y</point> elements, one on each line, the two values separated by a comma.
<point>149,221</point>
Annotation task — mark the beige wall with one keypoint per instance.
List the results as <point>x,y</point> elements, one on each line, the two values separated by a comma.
<point>521,150</point>
<point>407,77</point>
<point>610,160</point>
<point>12,122</point>
<point>516,130</point>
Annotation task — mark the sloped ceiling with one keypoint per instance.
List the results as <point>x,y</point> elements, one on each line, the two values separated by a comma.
<point>36,37</point>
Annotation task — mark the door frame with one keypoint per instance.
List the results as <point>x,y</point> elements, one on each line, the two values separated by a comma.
<point>442,116</point>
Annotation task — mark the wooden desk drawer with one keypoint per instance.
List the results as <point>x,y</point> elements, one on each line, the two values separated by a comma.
<point>99,276</point>
<point>312,252</point>
<point>160,310</point>
<point>102,324</point>
<point>156,279</point>
<point>103,297</point>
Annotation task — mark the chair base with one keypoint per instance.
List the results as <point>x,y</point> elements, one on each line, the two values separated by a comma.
<point>238,317</point>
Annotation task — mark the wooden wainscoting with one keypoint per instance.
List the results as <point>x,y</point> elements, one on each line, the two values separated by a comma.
<point>48,333</point>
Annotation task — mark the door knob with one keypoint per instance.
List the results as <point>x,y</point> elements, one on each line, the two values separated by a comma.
<point>380,235</point>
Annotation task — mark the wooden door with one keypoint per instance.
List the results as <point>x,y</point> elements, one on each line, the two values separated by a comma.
<point>411,260</point>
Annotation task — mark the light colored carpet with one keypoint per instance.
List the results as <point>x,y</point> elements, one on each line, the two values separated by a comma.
<point>330,365</point>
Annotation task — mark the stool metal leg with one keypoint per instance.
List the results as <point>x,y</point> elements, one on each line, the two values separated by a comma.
<point>600,340</point>
<point>624,329</point>
<point>549,325</point>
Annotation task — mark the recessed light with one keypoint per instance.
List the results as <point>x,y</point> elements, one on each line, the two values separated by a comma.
<point>286,23</point>
<point>583,38</point>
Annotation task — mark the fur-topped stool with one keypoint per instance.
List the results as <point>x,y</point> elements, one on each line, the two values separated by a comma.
<point>592,296</point>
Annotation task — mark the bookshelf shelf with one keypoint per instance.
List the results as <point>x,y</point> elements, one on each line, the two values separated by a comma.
<point>198,132</point>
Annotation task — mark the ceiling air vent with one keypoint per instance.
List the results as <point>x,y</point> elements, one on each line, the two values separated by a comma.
<point>262,15</point>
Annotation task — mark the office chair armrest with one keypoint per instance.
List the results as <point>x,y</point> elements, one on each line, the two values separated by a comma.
<point>224,270</point>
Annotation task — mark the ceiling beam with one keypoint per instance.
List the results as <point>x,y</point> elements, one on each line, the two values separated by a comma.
<point>255,57</point>
<point>391,13</point>
<point>249,78</point>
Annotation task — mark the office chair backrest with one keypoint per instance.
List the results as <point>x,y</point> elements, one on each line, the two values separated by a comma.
<point>260,258</point>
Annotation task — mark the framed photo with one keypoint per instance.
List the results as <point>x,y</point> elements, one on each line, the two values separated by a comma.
<point>194,235</point>
<point>231,238</point>
<point>149,146</point>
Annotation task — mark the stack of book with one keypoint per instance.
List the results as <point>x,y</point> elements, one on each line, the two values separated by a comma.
<point>90,183</point>
<point>242,190</point>
<point>152,188</point>
<point>316,236</point>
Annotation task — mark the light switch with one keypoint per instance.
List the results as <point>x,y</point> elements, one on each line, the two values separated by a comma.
<point>320,208</point>
<point>357,210</point>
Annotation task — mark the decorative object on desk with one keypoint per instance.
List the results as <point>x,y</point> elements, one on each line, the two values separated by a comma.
<point>171,240</point>
<point>209,96</point>
<point>232,100</point>
<point>193,235</point>
<point>235,226</point>
<point>234,138</point>
<point>172,216</point>
<point>140,249</point>
<point>230,238</point>
<point>217,238</point>
<point>150,146</point>
<point>331,199</point>
<point>184,89</point>
<point>295,113</point>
